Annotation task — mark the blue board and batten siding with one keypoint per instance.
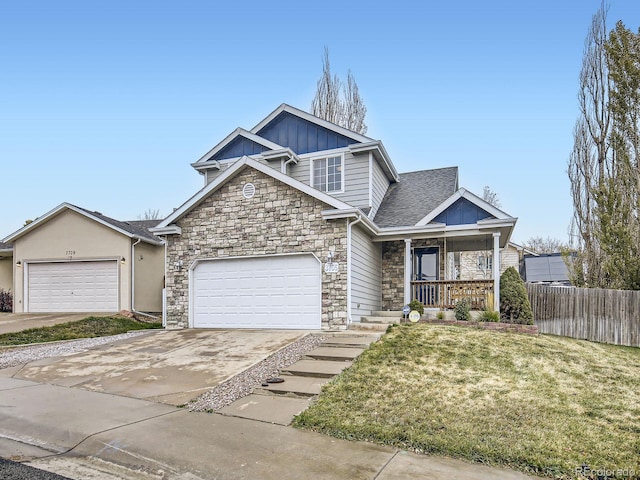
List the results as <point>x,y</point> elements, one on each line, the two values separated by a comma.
<point>366,275</point>
<point>379,187</point>
<point>462,212</point>
<point>302,136</point>
<point>239,147</point>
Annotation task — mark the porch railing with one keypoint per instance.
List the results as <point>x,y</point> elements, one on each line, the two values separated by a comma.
<point>446,293</point>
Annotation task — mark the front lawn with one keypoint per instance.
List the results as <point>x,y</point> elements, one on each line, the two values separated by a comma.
<point>86,328</point>
<point>543,405</point>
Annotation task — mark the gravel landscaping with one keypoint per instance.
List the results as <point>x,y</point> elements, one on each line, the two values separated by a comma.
<point>243,383</point>
<point>13,356</point>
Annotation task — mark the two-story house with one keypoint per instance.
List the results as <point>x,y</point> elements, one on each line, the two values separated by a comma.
<point>304,224</point>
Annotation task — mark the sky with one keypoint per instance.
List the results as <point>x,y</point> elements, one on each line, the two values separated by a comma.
<point>106,104</point>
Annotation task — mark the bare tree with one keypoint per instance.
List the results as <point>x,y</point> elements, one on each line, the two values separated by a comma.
<point>150,214</point>
<point>545,245</point>
<point>590,153</point>
<point>337,102</point>
<point>491,197</point>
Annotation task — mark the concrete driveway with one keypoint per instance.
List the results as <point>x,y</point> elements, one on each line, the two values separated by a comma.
<point>15,322</point>
<point>170,367</point>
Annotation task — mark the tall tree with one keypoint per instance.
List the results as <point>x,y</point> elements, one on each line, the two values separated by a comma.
<point>604,165</point>
<point>150,214</point>
<point>339,102</point>
<point>590,152</point>
<point>545,245</point>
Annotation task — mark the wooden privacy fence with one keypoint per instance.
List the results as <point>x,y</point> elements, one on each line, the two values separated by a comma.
<point>608,316</point>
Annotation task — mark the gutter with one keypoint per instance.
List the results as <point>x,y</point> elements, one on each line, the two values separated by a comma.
<point>349,226</point>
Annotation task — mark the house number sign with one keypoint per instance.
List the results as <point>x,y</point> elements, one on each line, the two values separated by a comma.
<point>331,267</point>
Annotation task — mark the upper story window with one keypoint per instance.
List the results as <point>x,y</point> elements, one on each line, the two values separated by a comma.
<point>327,173</point>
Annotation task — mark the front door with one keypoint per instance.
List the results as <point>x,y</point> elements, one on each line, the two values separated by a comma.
<point>425,268</point>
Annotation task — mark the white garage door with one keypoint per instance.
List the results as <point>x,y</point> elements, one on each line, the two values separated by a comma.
<point>263,292</point>
<point>73,287</point>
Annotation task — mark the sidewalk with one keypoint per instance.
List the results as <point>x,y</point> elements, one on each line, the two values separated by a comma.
<point>72,432</point>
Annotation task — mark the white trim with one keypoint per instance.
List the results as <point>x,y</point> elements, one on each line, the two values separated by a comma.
<point>311,118</point>
<point>229,173</point>
<point>496,271</point>
<point>170,230</point>
<point>67,206</point>
<point>377,148</point>
<point>408,266</point>
<point>238,132</point>
<point>349,262</point>
<point>197,261</point>
<point>462,193</point>
<point>370,183</point>
<point>326,159</point>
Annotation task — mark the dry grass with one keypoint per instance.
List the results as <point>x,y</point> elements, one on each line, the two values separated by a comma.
<point>87,328</point>
<point>543,405</point>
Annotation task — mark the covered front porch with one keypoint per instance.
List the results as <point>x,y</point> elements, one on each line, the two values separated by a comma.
<point>439,272</point>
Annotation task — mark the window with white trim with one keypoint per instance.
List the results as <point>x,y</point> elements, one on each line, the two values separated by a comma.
<point>485,262</point>
<point>327,173</point>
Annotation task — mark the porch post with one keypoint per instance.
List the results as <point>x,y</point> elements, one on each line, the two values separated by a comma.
<point>407,271</point>
<point>496,271</point>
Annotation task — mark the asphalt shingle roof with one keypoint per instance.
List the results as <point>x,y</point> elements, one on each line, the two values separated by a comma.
<point>415,196</point>
<point>5,246</point>
<point>138,228</point>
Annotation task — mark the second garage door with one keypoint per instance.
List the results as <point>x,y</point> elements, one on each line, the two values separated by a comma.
<point>260,292</point>
<point>73,287</point>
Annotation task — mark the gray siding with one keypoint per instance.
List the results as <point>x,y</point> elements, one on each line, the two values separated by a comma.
<point>356,178</point>
<point>380,186</point>
<point>301,171</point>
<point>366,274</point>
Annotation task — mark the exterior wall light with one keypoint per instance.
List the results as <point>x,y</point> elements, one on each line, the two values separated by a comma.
<point>122,260</point>
<point>18,264</point>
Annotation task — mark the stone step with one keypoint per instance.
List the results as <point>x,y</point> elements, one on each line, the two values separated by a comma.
<point>370,327</point>
<point>295,385</point>
<point>385,320</point>
<point>387,313</point>
<point>352,341</point>
<point>315,368</point>
<point>334,353</point>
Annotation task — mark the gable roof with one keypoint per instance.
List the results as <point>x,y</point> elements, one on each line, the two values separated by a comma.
<point>132,229</point>
<point>232,137</point>
<point>462,193</point>
<point>415,195</point>
<point>164,227</point>
<point>284,108</point>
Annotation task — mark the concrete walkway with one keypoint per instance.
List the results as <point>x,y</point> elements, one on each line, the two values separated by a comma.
<point>83,434</point>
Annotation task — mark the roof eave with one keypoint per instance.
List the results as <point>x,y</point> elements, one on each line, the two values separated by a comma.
<point>377,148</point>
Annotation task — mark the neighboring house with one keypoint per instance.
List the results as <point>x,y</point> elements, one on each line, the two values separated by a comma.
<point>304,224</point>
<point>478,265</point>
<point>547,268</point>
<point>6,266</point>
<point>76,260</point>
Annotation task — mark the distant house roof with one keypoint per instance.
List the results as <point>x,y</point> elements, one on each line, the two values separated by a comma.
<point>415,196</point>
<point>6,247</point>
<point>137,228</point>
<point>546,268</point>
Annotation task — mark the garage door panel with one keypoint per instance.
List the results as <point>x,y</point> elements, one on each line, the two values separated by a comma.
<point>73,287</point>
<point>263,292</point>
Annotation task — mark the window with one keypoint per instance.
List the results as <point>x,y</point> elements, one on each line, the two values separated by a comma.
<point>485,262</point>
<point>327,174</point>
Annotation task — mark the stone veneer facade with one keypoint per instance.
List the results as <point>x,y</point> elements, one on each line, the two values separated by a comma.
<point>279,219</point>
<point>393,269</point>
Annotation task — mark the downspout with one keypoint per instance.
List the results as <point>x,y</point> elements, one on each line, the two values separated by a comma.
<point>349,225</point>
<point>133,281</point>
<point>284,165</point>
